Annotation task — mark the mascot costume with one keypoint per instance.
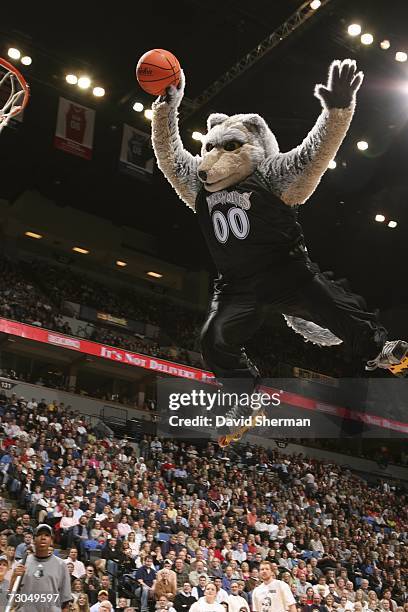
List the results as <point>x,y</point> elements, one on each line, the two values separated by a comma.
<point>246,194</point>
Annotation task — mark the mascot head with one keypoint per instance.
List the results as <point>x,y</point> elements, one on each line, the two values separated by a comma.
<point>233,148</point>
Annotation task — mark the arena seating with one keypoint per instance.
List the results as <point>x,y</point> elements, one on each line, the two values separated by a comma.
<point>338,541</point>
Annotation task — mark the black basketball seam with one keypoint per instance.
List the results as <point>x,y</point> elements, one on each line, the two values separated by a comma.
<point>154,80</point>
<point>172,67</point>
<point>155,66</point>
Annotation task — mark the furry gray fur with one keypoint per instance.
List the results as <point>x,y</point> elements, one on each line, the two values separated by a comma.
<point>293,176</point>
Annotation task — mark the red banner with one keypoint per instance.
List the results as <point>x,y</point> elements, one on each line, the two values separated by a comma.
<point>75,128</point>
<point>184,371</point>
<point>106,352</point>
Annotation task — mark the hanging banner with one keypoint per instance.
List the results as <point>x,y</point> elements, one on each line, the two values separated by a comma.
<point>136,153</point>
<point>75,128</point>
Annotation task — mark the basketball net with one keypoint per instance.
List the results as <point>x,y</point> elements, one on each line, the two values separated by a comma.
<point>14,92</point>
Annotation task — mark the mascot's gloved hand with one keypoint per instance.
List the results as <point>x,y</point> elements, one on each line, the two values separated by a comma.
<point>342,85</point>
<point>174,95</point>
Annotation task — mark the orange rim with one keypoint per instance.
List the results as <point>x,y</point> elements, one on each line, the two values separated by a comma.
<point>26,88</point>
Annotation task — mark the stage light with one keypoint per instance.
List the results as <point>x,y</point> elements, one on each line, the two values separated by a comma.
<point>385,44</point>
<point>197,136</point>
<point>154,274</point>
<point>392,224</point>
<point>80,250</point>
<point>14,53</point>
<point>148,113</point>
<point>121,264</point>
<point>26,60</point>
<point>33,235</point>
<point>354,29</point>
<point>401,56</point>
<point>315,4</point>
<point>380,218</point>
<point>84,82</point>
<point>367,39</point>
<point>332,164</point>
<point>362,145</point>
<point>138,107</point>
<point>72,79</point>
<point>98,92</point>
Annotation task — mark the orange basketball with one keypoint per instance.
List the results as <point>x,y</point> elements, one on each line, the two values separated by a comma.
<point>156,70</point>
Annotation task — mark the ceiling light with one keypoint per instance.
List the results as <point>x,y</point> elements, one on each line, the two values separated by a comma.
<point>380,218</point>
<point>138,107</point>
<point>84,82</point>
<point>121,264</point>
<point>354,29</point>
<point>33,235</point>
<point>80,250</point>
<point>401,56</point>
<point>362,145</point>
<point>367,39</point>
<point>26,60</point>
<point>385,44</point>
<point>13,53</point>
<point>98,92</point>
<point>72,79</point>
<point>154,274</point>
<point>332,164</point>
<point>148,113</point>
<point>197,136</point>
<point>392,224</point>
<point>315,4</point>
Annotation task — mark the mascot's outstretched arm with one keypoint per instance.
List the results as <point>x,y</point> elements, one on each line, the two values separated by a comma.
<point>177,164</point>
<point>295,175</point>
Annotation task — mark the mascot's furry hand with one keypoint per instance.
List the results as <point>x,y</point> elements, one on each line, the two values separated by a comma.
<point>342,85</point>
<point>174,95</point>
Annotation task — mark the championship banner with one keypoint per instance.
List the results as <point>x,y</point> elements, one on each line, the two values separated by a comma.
<point>75,129</point>
<point>136,153</point>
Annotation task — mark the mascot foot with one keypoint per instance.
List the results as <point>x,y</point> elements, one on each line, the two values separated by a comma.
<point>238,422</point>
<point>393,357</point>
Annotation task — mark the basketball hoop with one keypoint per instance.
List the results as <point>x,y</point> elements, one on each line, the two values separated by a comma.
<point>13,83</point>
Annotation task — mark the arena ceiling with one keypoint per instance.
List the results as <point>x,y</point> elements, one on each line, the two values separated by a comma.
<point>209,37</point>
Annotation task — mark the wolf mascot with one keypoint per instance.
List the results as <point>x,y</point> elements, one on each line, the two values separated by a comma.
<point>246,193</point>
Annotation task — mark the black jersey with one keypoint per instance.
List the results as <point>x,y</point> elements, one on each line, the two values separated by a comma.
<point>249,231</point>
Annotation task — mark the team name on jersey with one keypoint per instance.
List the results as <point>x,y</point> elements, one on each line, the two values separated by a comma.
<point>229,197</point>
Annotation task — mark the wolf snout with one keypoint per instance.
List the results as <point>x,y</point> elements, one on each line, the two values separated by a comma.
<point>203,175</point>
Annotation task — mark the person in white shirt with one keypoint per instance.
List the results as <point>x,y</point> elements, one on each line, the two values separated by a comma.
<point>208,603</point>
<point>79,567</point>
<point>239,554</point>
<point>222,594</point>
<point>235,602</point>
<point>272,595</point>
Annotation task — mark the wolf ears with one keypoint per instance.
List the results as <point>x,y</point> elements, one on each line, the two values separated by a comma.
<point>215,119</point>
<point>258,126</point>
<point>255,124</point>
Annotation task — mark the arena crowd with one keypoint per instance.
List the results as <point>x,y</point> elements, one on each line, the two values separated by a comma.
<point>147,527</point>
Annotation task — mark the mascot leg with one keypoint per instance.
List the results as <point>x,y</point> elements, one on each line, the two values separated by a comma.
<point>330,305</point>
<point>231,323</point>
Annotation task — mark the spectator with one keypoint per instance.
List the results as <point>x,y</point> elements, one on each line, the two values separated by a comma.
<point>209,602</point>
<point>236,603</point>
<point>184,599</point>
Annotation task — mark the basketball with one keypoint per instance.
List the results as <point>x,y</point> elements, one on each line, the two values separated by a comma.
<point>156,70</point>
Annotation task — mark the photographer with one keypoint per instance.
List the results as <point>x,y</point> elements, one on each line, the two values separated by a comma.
<point>43,575</point>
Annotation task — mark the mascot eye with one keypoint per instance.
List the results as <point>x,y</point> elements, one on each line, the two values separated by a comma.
<point>209,146</point>
<point>232,145</point>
